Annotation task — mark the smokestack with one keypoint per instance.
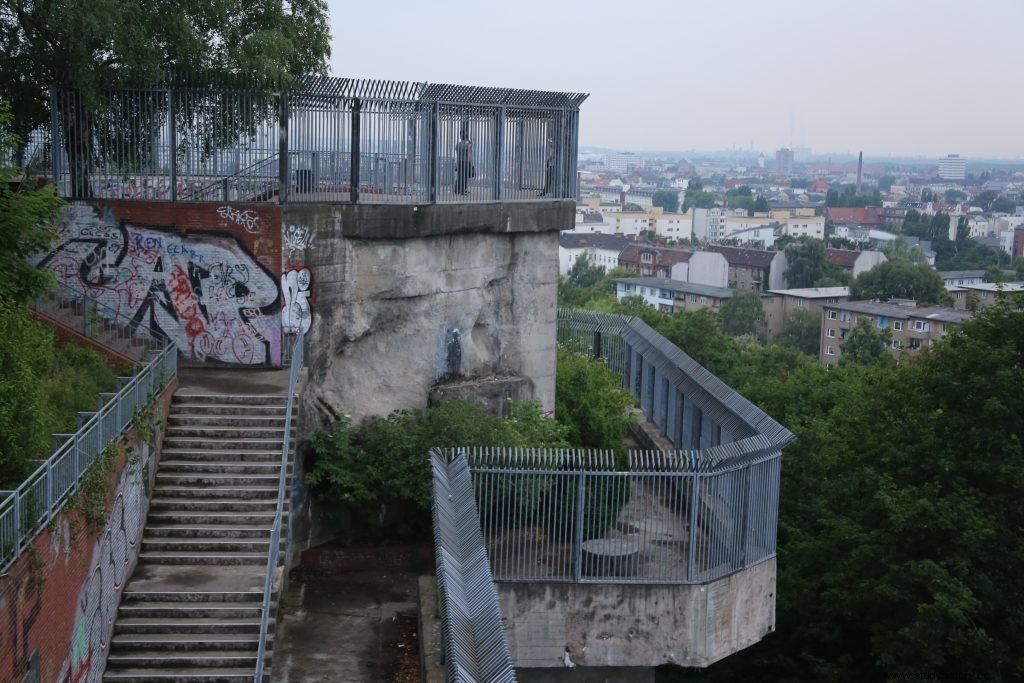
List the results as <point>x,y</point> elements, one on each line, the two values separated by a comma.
<point>860,170</point>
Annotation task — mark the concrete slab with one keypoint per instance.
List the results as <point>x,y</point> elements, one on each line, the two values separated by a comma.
<point>153,578</point>
<point>346,627</point>
<point>249,381</point>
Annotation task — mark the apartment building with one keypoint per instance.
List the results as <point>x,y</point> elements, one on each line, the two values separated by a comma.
<point>681,265</point>
<point>671,296</point>
<point>984,293</point>
<point>795,223</point>
<point>603,250</point>
<point>753,268</point>
<point>912,327</point>
<point>779,304</point>
<point>855,262</point>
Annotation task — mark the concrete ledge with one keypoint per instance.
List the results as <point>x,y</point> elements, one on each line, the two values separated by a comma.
<point>432,669</point>
<point>400,221</point>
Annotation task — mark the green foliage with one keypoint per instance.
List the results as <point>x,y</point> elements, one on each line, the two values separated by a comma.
<point>742,313</point>
<point>372,470</point>
<point>584,272</point>
<point>886,182</point>
<point>995,274</point>
<point>92,44</point>
<point>761,204</point>
<point>808,265</point>
<point>955,196</point>
<point>901,279</point>
<point>695,183</point>
<point>802,332</point>
<point>590,404</point>
<point>866,344</point>
<point>697,199</point>
<point>666,199</point>
<point>847,197</point>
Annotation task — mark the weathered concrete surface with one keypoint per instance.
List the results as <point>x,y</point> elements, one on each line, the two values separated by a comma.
<point>586,674</point>
<point>405,299</point>
<point>346,627</point>
<point>431,657</point>
<point>638,626</point>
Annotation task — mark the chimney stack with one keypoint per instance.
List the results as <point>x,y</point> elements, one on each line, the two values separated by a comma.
<point>860,170</point>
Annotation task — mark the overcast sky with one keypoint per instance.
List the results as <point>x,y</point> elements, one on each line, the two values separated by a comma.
<point>899,77</point>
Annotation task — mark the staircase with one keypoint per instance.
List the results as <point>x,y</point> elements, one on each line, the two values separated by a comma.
<point>191,611</point>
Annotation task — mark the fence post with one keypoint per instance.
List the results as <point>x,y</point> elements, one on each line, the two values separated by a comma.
<point>173,135</point>
<point>499,154</point>
<point>597,345</point>
<point>17,524</point>
<point>432,160</point>
<point>691,551</point>
<point>581,492</point>
<point>282,151</point>
<point>353,193</point>
<point>55,145</point>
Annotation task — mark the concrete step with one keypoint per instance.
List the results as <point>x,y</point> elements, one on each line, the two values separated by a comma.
<point>155,531</point>
<point>184,642</point>
<point>217,479</point>
<point>230,409</point>
<point>219,519</point>
<point>201,420</point>
<point>190,675</point>
<point>192,454</point>
<point>189,610</point>
<point>222,558</point>
<point>221,505</point>
<point>236,444</point>
<point>173,661</point>
<point>191,597</point>
<point>206,545</point>
<point>243,468</point>
<point>183,626</point>
<point>226,433</point>
<point>213,492</point>
<point>277,400</point>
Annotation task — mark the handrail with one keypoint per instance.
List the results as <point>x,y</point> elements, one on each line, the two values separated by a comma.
<point>237,175</point>
<point>275,533</point>
<point>25,511</point>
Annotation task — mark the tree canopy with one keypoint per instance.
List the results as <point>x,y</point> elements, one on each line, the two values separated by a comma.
<point>742,313</point>
<point>92,44</point>
<point>666,199</point>
<point>900,279</point>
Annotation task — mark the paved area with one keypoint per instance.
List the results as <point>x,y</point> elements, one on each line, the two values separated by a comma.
<point>213,380</point>
<point>353,627</point>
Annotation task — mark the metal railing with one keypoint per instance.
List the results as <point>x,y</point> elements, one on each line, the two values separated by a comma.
<point>596,335</point>
<point>569,517</point>
<point>297,354</point>
<point>319,140</point>
<point>25,511</point>
<point>473,636</point>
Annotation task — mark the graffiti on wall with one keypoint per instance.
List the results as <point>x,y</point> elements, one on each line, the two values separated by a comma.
<point>244,218</point>
<point>296,287</point>
<point>111,560</point>
<point>296,239</point>
<point>204,291</point>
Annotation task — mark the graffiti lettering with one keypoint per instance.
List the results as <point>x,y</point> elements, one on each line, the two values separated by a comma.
<point>297,238</point>
<point>247,219</point>
<point>199,291</point>
<point>296,286</point>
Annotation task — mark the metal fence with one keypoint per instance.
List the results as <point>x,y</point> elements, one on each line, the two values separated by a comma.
<point>568,516</point>
<point>473,636</point>
<point>25,511</point>
<point>297,354</point>
<point>595,335</point>
<point>320,140</point>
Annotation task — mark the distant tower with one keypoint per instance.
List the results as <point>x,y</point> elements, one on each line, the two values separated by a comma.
<point>760,160</point>
<point>953,167</point>
<point>784,160</point>
<point>860,171</point>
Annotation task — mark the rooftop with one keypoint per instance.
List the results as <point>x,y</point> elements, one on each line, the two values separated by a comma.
<point>677,286</point>
<point>956,274</point>
<point>813,292</point>
<point>889,310</point>
<point>576,240</point>
<point>739,256</point>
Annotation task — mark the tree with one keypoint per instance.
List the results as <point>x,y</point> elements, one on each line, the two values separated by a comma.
<point>995,274</point>
<point>806,260</point>
<point>955,196</point>
<point>695,183</point>
<point>584,272</point>
<point>666,199</point>
<point>802,332</point>
<point>96,44</point>
<point>761,204</point>
<point>899,279</point>
<point>697,199</point>
<point>590,404</point>
<point>886,182</point>
<point>866,343</point>
<point>742,313</point>
<point>1003,205</point>
<point>630,206</point>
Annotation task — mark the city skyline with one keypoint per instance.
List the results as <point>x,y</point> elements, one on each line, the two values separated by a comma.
<point>903,80</point>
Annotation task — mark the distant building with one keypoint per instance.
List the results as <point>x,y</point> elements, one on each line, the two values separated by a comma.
<point>985,293</point>
<point>784,160</point>
<point>709,224</point>
<point>953,167</point>
<point>779,304</point>
<point>603,250</point>
<point>671,296</point>
<point>680,265</point>
<point>753,268</point>
<point>624,162</point>
<point>912,327</point>
<point>855,262</point>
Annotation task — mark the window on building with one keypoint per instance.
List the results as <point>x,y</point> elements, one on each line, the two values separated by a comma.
<point>920,326</point>
<point>646,257</point>
<point>832,300</point>
<point>915,343</point>
<point>832,315</point>
<point>897,325</point>
<point>703,301</point>
<point>829,351</point>
<point>693,298</point>
<point>830,332</point>
<point>800,303</point>
<point>896,343</point>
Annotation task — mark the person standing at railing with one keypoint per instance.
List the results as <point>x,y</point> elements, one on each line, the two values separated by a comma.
<point>463,163</point>
<point>549,169</point>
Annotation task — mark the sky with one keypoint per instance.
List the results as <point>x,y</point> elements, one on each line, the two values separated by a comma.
<point>886,77</point>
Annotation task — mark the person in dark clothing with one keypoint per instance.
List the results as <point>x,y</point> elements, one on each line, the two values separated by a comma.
<point>463,163</point>
<point>549,169</point>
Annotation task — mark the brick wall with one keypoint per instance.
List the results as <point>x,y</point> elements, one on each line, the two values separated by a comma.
<point>59,599</point>
<point>208,276</point>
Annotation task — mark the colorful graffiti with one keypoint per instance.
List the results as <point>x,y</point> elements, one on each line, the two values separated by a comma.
<point>203,290</point>
<point>296,287</point>
<point>111,561</point>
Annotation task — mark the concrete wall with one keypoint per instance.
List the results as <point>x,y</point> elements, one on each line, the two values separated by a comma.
<point>638,626</point>
<point>709,268</point>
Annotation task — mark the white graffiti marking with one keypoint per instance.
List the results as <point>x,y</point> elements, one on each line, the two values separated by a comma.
<point>297,238</point>
<point>247,219</point>
<point>296,316</point>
